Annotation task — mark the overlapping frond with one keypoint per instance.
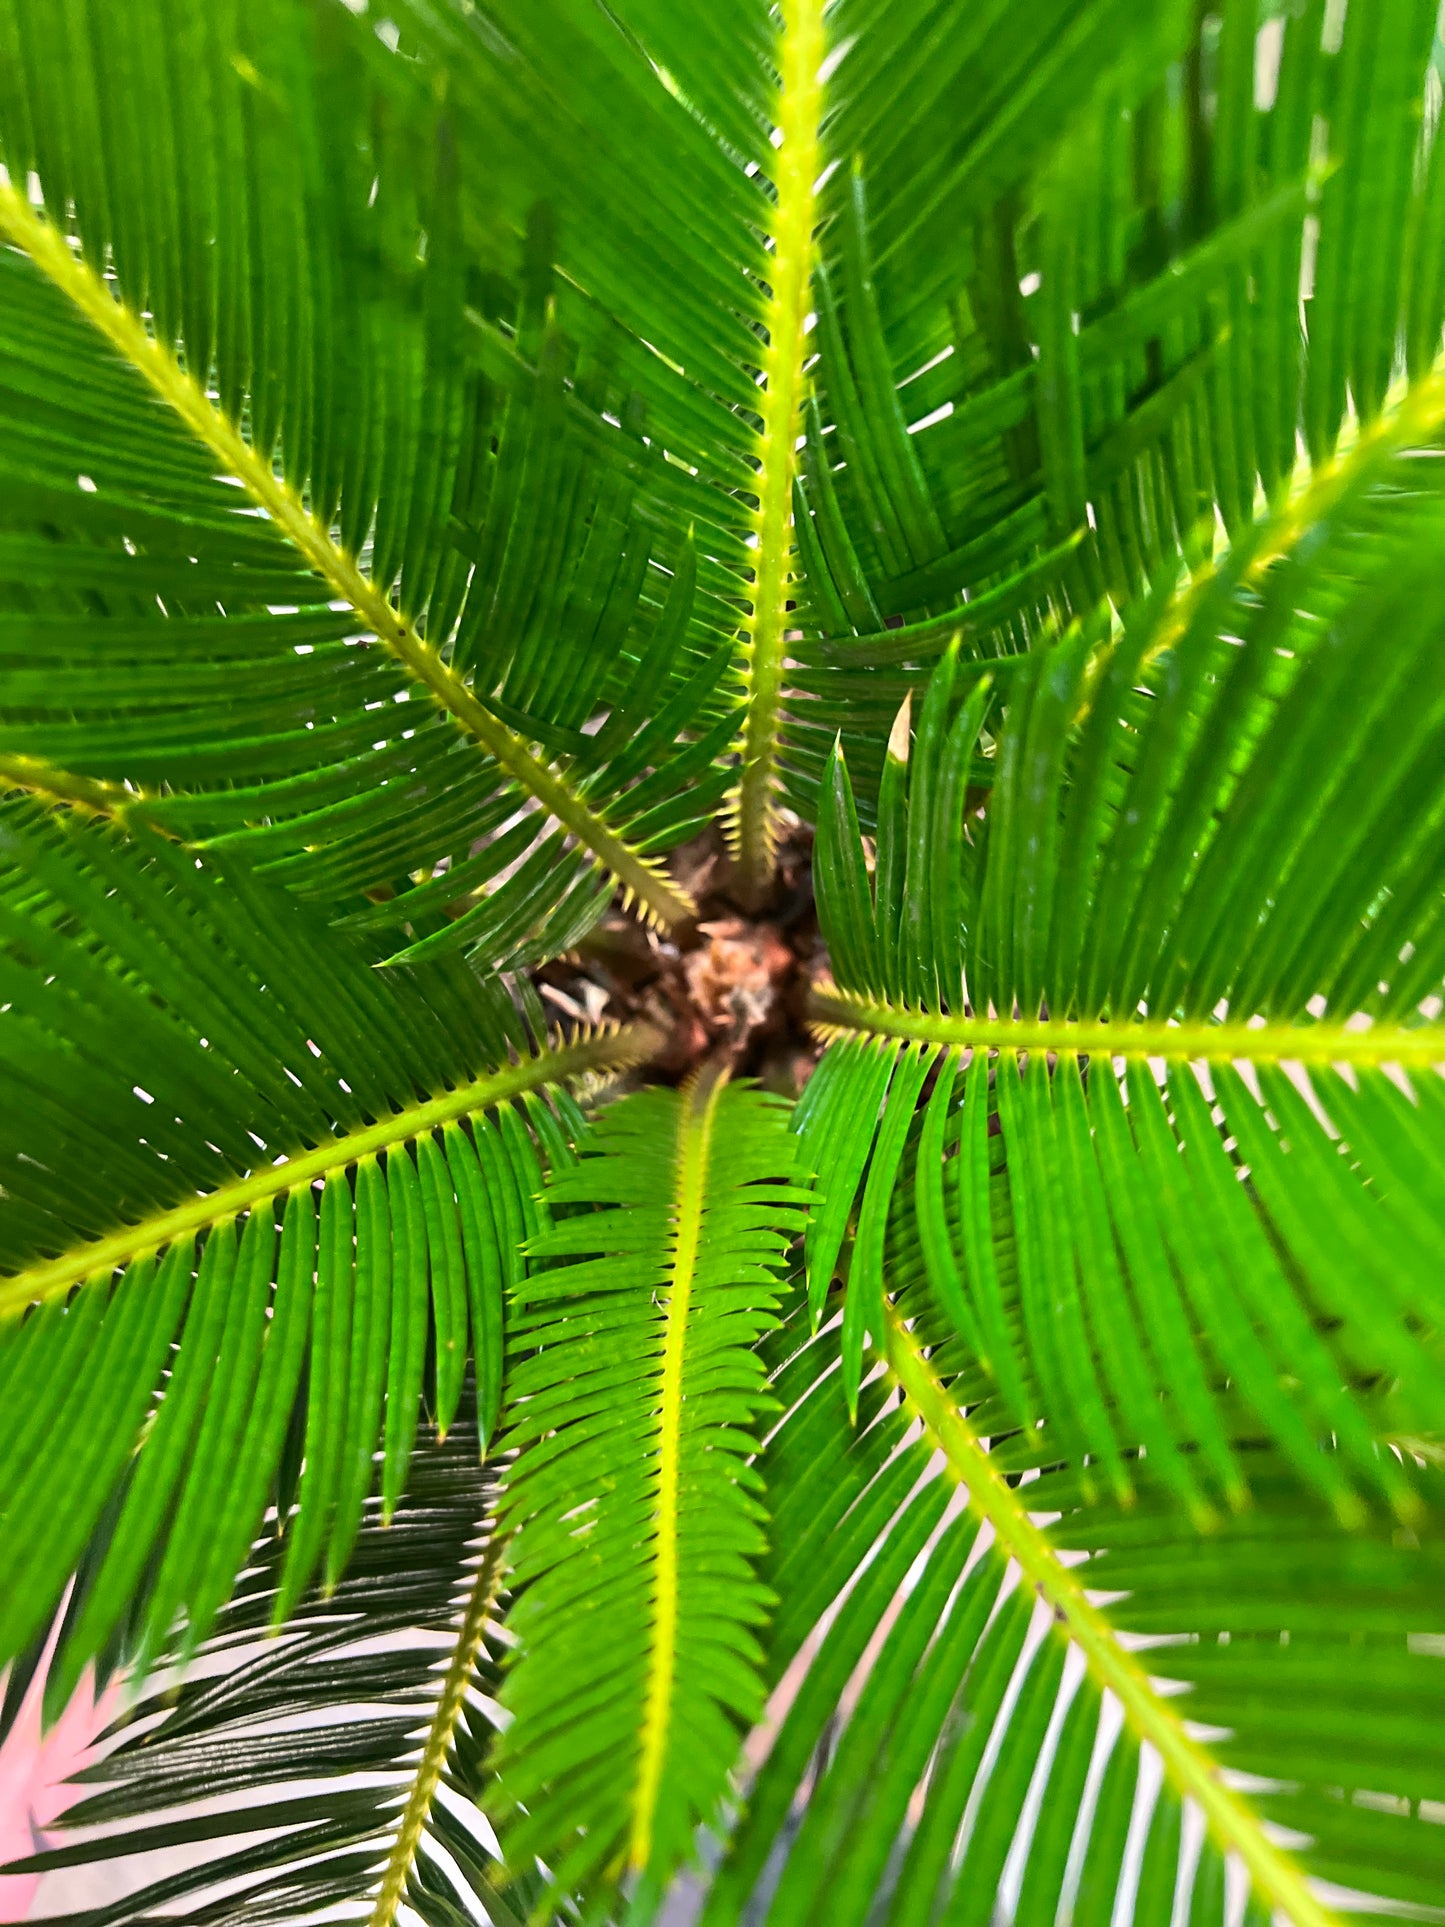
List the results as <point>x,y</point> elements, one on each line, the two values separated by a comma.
<point>680,98</point>
<point>710,271</point>
<point>1050,338</point>
<point>1085,300</point>
<point>245,1172</point>
<point>447,548</point>
<point>455,452</point>
<point>637,1515</point>
<point>320,1751</point>
<point>954,114</point>
<point>978,1727</point>
<point>1192,853</point>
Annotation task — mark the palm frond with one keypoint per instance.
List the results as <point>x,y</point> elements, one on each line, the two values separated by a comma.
<point>1023,452</point>
<point>636,1515</point>
<point>1055,342</point>
<point>193,1066</point>
<point>976,1725</point>
<point>798,116</point>
<point>409,471</point>
<point>318,1753</point>
<point>1191,854</point>
<point>458,451</point>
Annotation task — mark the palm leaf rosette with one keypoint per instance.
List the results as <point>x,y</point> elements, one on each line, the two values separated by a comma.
<point>462,460</point>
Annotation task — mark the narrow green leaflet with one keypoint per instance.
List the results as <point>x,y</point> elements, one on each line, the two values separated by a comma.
<point>249,1184</point>
<point>635,1398</point>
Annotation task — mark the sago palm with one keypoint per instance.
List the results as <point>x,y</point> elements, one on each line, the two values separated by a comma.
<point>483,481</point>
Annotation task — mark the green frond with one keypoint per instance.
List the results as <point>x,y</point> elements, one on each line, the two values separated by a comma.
<point>1193,856</point>
<point>205,1250</point>
<point>1062,331</point>
<point>638,1521</point>
<point>333,1733</point>
<point>404,527</point>
<point>837,1014</point>
<point>404,1863</point>
<point>1055,333</point>
<point>973,1716</point>
<point>797,117</point>
<point>458,453</point>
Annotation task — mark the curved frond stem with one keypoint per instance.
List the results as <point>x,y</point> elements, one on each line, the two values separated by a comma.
<point>798,117</point>
<point>92,795</point>
<point>1148,1714</point>
<point>440,1733</point>
<point>836,1012</point>
<point>642,878</point>
<point>611,1050</point>
<point>1417,417</point>
<point>689,1195</point>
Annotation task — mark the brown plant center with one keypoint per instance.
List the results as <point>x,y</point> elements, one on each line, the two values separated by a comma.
<point>733,983</point>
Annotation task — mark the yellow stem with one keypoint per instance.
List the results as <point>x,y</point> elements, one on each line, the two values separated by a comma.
<point>799,113</point>
<point>1149,1716</point>
<point>689,1192</point>
<point>90,794</point>
<point>106,1255</point>
<point>833,1012</point>
<point>439,1737</point>
<point>127,333</point>
<point>1417,417</point>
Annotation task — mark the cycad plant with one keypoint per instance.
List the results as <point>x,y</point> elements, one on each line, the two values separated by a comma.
<point>485,481</point>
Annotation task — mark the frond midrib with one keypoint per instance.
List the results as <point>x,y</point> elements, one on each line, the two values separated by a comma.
<point>608,1050</point>
<point>1148,1714</point>
<point>694,1151</point>
<point>48,248</point>
<point>1416,417</point>
<point>92,795</point>
<point>836,1012</point>
<point>799,117</point>
<point>437,1746</point>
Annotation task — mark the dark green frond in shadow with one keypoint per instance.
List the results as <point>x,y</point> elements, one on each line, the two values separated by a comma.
<point>320,1748</point>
